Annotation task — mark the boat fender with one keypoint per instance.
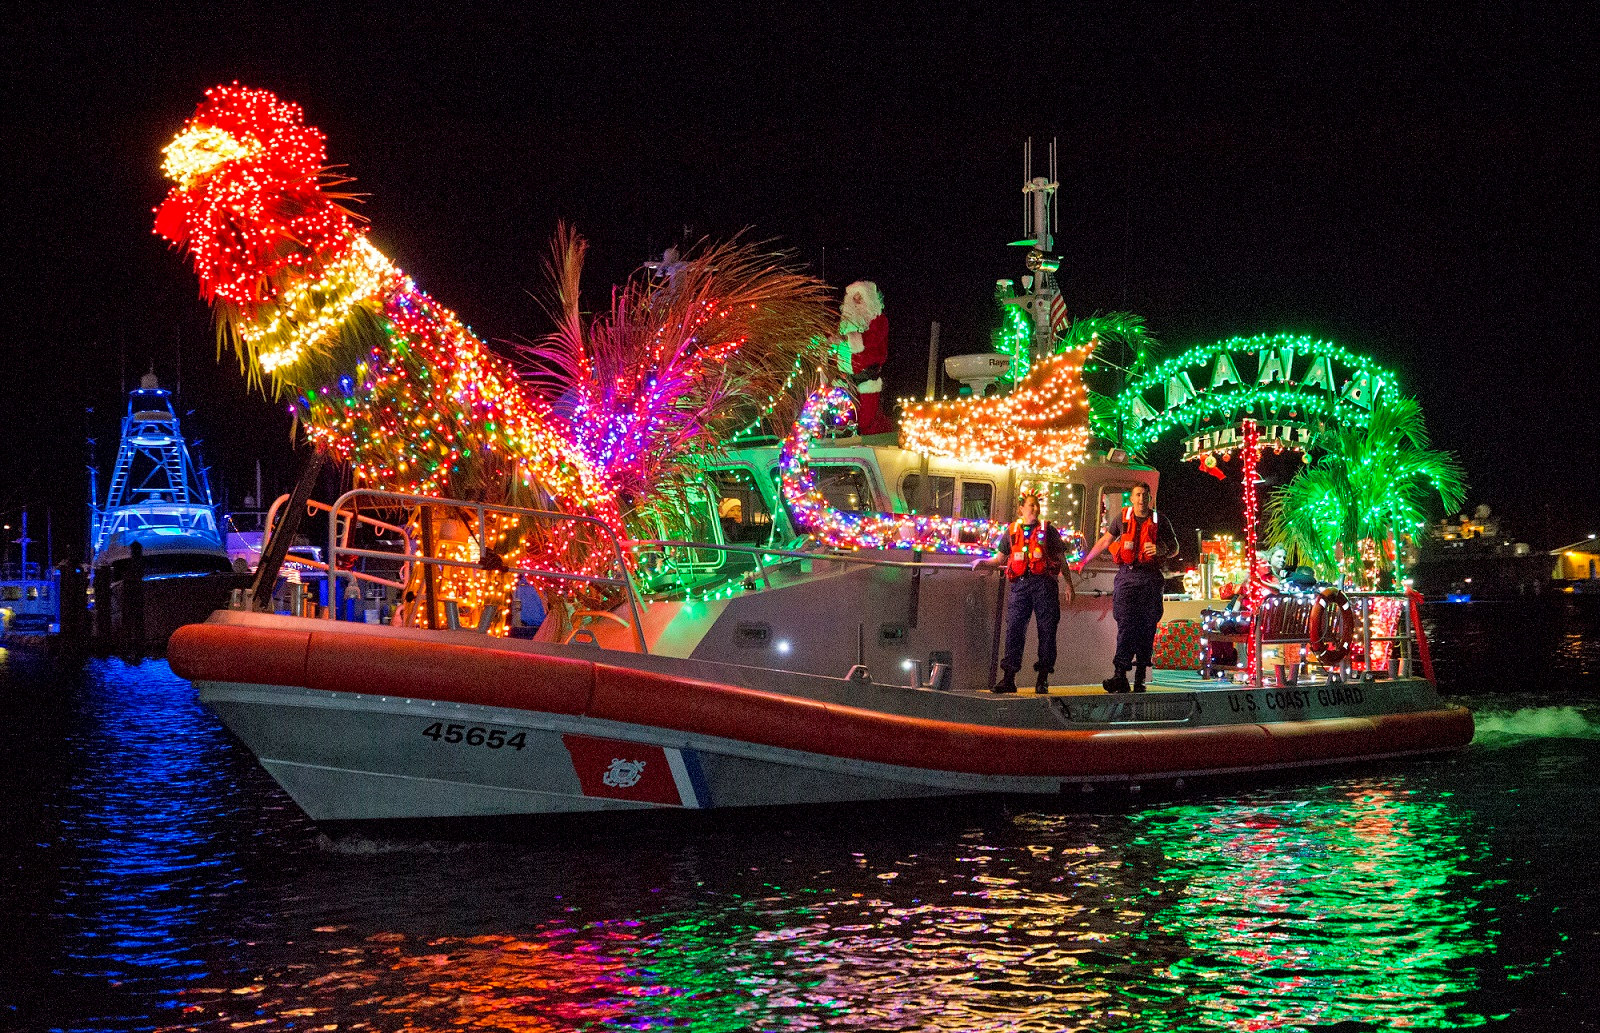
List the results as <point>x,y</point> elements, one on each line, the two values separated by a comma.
<point>1329,636</point>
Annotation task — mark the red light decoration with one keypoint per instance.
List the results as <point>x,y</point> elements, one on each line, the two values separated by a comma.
<point>385,378</point>
<point>1256,589</point>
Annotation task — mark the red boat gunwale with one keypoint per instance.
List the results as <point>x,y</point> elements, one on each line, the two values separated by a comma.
<point>486,676</point>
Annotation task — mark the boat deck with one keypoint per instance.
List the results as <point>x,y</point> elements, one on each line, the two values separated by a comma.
<point>1156,681</point>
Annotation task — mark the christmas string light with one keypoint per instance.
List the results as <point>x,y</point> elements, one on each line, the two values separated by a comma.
<point>1014,336</point>
<point>1205,383</point>
<point>1255,590</point>
<point>751,431</point>
<point>677,364</point>
<point>385,378</point>
<point>831,408</point>
<point>1041,425</point>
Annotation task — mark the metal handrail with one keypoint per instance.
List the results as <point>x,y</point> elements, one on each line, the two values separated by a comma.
<point>799,554</point>
<point>482,509</point>
<point>270,524</point>
<point>1367,638</point>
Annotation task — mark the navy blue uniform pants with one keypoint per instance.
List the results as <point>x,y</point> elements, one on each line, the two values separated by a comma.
<point>1136,604</point>
<point>1032,595</point>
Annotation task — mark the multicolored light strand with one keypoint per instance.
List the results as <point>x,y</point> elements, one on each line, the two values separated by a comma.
<point>831,408</point>
<point>677,364</point>
<point>1255,589</point>
<point>386,379</point>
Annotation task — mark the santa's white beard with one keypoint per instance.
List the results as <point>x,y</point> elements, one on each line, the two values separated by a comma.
<point>854,319</point>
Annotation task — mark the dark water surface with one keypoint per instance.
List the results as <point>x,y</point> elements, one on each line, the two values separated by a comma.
<point>155,878</point>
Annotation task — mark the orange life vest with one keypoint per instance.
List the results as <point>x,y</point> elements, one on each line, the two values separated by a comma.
<point>1029,553</point>
<point>1126,549</point>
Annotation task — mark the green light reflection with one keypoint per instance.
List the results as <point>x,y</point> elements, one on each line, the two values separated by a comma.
<point>1318,911</point>
<point>1354,907</point>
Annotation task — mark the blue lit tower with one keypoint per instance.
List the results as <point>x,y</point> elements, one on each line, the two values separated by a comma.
<point>158,495</point>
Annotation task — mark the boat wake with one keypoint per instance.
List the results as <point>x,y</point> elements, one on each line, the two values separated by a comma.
<point>357,844</point>
<point>1538,722</point>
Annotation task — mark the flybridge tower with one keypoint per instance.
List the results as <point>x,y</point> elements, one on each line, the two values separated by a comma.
<point>154,484</point>
<point>1042,301</point>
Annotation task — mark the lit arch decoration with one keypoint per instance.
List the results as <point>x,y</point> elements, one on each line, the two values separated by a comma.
<point>1245,395</point>
<point>1290,384</point>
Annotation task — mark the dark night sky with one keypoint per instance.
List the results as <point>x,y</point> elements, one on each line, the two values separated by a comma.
<point>1424,191</point>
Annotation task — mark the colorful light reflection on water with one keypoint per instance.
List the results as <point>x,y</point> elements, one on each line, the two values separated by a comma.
<point>164,883</point>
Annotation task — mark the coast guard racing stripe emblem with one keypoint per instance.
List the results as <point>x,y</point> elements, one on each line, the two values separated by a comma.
<point>621,770</point>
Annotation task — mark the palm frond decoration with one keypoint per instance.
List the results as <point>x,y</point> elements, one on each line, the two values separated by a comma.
<point>1117,338</point>
<point>1370,487</point>
<point>1121,334</point>
<point>685,356</point>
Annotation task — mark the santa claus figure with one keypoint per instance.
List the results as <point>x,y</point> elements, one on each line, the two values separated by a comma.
<point>864,330</point>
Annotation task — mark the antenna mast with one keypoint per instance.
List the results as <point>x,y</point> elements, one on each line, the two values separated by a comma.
<point>1038,198</point>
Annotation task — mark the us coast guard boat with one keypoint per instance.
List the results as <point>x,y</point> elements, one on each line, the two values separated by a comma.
<point>743,675</point>
<point>744,664</point>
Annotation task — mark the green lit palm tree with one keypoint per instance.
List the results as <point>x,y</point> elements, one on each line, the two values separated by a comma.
<point>1120,357</point>
<point>1370,484</point>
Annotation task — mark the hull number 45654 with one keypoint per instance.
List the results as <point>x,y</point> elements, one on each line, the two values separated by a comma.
<point>489,738</point>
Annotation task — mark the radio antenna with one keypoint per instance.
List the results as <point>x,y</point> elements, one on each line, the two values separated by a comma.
<point>1027,174</point>
<point>1055,225</point>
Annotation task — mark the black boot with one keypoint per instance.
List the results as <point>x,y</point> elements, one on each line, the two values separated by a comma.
<point>1007,683</point>
<point>1042,687</point>
<point>1138,679</point>
<point>1116,683</point>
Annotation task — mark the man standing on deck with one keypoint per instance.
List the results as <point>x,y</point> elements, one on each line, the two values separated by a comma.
<point>1140,539</point>
<point>1031,551</point>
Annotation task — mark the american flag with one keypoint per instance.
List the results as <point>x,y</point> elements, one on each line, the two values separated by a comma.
<point>1059,321</point>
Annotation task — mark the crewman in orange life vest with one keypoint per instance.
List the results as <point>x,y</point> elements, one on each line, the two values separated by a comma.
<point>1140,538</point>
<point>1032,552</point>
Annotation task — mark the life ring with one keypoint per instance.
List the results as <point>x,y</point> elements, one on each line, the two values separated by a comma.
<point>1329,638</point>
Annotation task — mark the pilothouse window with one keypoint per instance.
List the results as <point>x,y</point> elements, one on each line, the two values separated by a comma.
<point>1112,502</point>
<point>1063,503</point>
<point>845,488</point>
<point>977,499</point>
<point>741,509</point>
<point>941,500</point>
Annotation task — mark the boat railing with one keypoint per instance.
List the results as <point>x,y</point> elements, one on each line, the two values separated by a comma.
<point>1405,645</point>
<point>344,530</point>
<point>347,510</point>
<point>394,500</point>
<point>759,552</point>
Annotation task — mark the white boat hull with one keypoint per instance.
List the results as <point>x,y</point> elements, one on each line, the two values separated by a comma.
<point>360,723</point>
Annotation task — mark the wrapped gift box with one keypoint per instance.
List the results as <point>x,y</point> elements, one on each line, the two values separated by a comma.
<point>1177,646</point>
